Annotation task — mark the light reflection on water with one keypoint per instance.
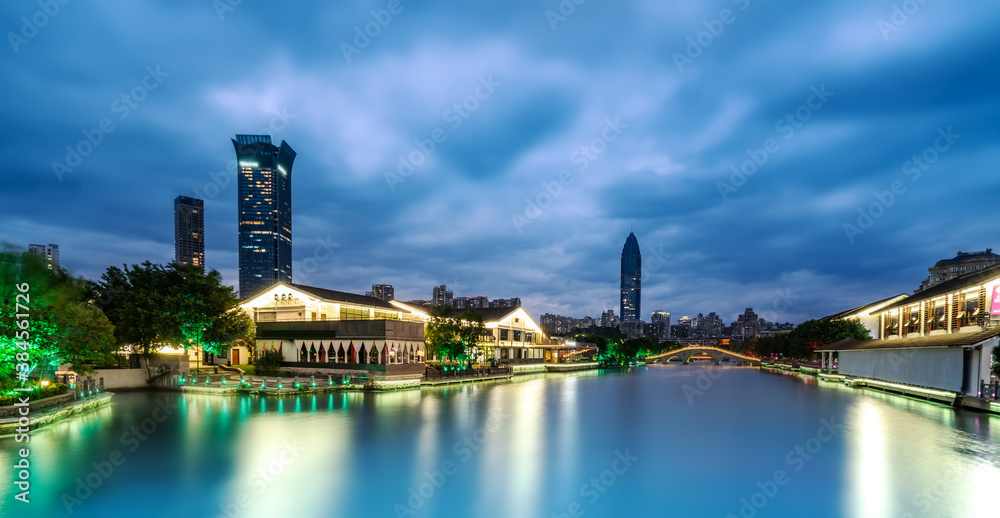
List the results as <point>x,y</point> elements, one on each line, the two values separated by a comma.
<point>532,447</point>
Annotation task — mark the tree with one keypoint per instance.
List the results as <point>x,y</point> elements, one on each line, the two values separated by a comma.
<point>268,364</point>
<point>807,336</point>
<point>177,304</point>
<point>801,343</point>
<point>60,326</point>
<point>452,336</point>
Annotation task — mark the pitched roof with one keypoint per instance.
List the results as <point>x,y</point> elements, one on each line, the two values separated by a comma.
<point>854,310</point>
<point>341,296</point>
<point>966,281</point>
<point>946,340</point>
<point>489,314</point>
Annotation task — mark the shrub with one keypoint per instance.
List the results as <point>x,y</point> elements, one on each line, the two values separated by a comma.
<point>268,364</point>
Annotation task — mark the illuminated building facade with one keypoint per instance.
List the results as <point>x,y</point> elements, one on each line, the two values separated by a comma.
<point>314,325</point>
<point>631,280</point>
<point>264,190</point>
<point>189,231</point>
<point>940,338</point>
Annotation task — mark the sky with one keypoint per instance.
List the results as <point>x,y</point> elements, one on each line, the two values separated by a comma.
<point>797,159</point>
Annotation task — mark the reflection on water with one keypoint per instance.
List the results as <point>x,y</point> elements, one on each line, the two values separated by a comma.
<point>540,445</point>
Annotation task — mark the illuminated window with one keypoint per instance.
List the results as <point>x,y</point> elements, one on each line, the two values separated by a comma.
<point>938,317</point>
<point>968,309</point>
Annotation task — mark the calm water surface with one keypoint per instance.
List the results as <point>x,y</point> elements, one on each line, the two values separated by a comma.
<point>660,440</point>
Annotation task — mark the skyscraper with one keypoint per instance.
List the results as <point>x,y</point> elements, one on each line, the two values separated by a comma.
<point>631,279</point>
<point>264,183</point>
<point>50,252</point>
<point>189,231</point>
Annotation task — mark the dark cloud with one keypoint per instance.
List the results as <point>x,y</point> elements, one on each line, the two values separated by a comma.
<point>453,220</point>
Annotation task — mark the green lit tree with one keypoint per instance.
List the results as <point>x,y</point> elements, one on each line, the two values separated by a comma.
<point>455,337</point>
<point>62,326</point>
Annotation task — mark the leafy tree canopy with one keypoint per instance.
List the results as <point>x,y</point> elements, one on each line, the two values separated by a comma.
<point>455,336</point>
<point>151,304</point>
<point>55,321</point>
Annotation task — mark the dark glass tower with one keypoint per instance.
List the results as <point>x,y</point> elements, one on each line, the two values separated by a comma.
<point>189,231</point>
<point>631,279</point>
<point>264,174</point>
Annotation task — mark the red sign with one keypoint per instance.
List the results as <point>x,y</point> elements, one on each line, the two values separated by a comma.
<point>995,305</point>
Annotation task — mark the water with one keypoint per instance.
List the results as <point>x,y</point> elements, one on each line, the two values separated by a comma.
<point>660,440</point>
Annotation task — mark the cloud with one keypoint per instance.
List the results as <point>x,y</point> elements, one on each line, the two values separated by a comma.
<point>451,220</point>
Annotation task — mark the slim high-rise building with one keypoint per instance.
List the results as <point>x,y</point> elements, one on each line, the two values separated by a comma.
<point>631,279</point>
<point>50,252</point>
<point>663,319</point>
<point>189,231</point>
<point>264,198</point>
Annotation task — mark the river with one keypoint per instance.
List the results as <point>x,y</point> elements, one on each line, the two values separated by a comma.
<point>669,440</point>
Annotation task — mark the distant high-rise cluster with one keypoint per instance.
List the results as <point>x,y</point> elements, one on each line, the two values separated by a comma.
<point>383,292</point>
<point>560,325</point>
<point>50,252</point>
<point>442,296</point>
<point>631,280</point>
<point>189,231</point>
<point>264,196</point>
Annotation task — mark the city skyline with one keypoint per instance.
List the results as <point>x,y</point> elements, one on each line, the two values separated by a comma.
<point>818,223</point>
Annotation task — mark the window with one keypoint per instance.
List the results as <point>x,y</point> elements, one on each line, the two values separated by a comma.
<point>968,309</point>
<point>891,325</point>
<point>504,334</point>
<point>913,319</point>
<point>938,315</point>
<point>517,336</point>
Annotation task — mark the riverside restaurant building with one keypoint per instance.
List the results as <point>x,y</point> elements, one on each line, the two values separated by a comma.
<point>941,338</point>
<point>511,335</point>
<point>316,327</point>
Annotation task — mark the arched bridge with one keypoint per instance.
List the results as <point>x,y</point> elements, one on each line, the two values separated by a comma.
<point>686,354</point>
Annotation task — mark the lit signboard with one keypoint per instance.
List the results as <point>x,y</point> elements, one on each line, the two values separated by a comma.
<point>995,301</point>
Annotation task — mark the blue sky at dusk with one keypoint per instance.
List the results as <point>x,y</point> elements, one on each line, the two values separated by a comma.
<point>558,131</point>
